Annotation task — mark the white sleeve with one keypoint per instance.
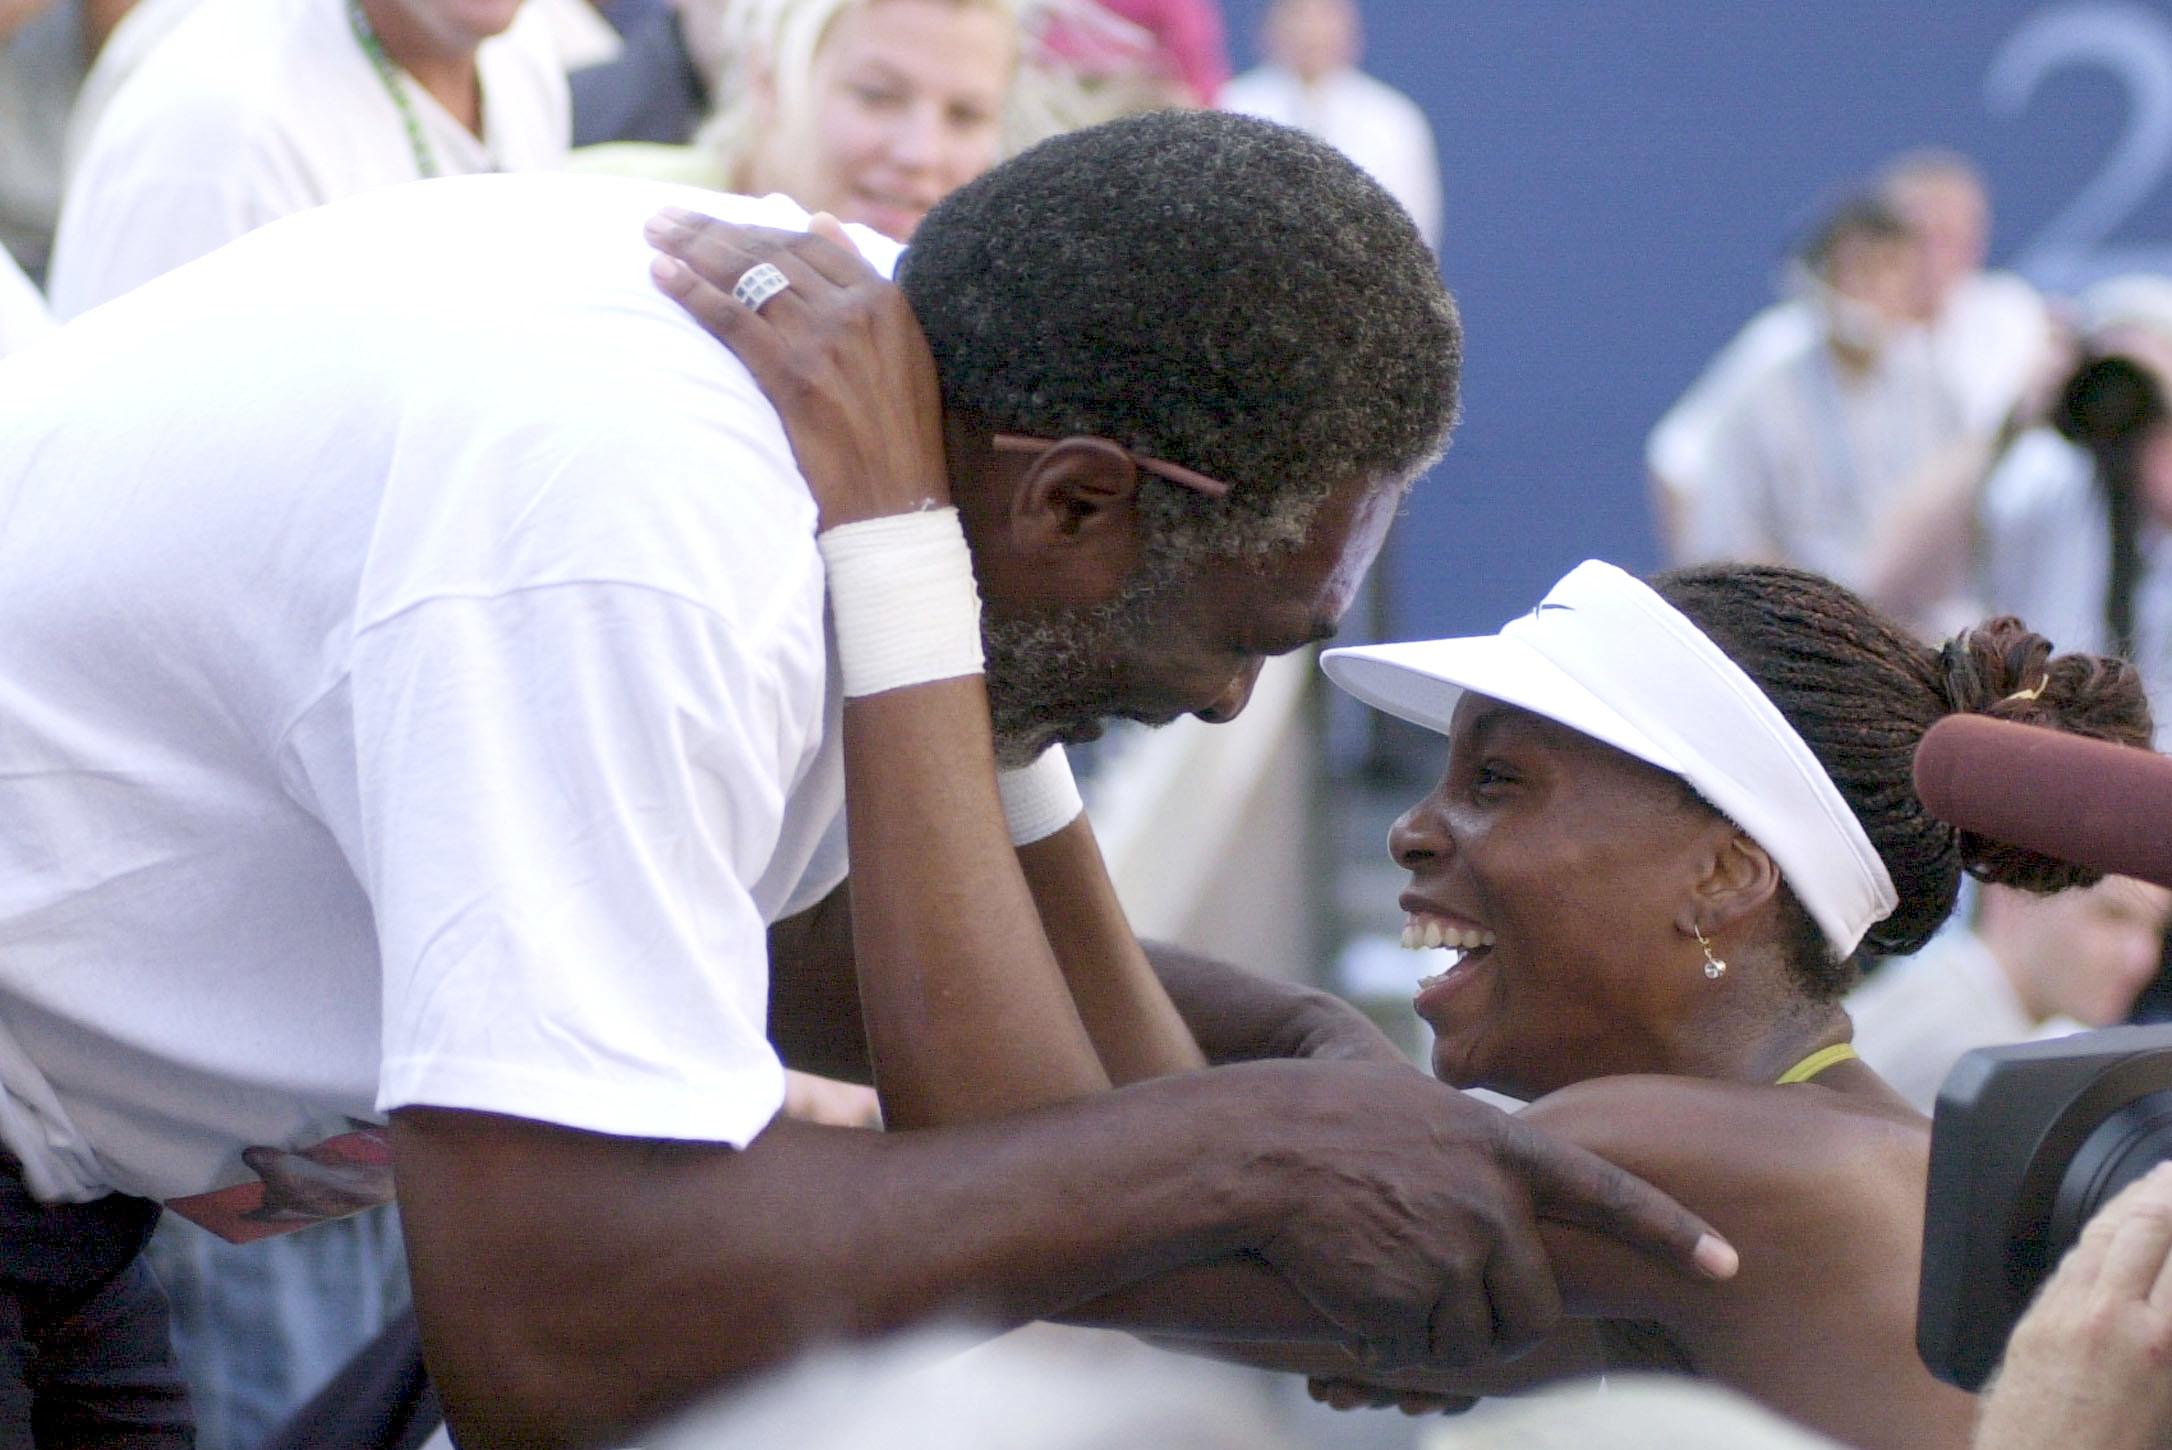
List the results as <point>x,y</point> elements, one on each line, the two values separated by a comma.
<point>1728,515</point>
<point>566,792</point>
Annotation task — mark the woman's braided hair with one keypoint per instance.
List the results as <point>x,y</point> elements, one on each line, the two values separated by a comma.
<point>1861,691</point>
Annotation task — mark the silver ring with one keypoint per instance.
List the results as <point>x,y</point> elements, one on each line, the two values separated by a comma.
<point>763,281</point>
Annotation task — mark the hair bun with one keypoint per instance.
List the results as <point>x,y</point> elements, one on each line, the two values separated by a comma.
<point>2004,670</point>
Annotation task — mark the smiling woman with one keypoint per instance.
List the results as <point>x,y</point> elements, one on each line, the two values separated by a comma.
<point>871,110</point>
<point>1672,815</point>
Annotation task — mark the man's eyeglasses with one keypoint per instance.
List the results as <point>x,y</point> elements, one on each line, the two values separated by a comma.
<point>1174,472</point>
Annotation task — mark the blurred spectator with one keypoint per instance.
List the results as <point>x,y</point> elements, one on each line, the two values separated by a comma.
<point>1189,36</point>
<point>1808,456</point>
<point>1630,1412</point>
<point>1311,81</point>
<point>143,28</point>
<point>871,110</point>
<point>1989,330</point>
<point>662,82</point>
<point>45,48</point>
<point>2025,967</point>
<point>936,1391</point>
<point>2085,1369</point>
<point>23,317</point>
<point>2075,523</point>
<point>251,110</point>
<point>1094,60</point>
<point>1025,1392</point>
<point>1989,334</point>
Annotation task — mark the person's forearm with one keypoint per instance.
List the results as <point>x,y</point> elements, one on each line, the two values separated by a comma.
<point>968,1014</point>
<point>1240,1016</point>
<point>574,1287</point>
<point>1135,1028</point>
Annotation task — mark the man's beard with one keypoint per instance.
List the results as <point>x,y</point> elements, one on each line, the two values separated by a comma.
<point>1052,676</point>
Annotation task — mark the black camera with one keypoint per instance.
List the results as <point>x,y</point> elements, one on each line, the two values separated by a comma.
<point>2027,1143</point>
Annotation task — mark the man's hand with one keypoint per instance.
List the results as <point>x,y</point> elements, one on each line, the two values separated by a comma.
<point>837,352</point>
<point>1407,1213</point>
<point>2090,1365</point>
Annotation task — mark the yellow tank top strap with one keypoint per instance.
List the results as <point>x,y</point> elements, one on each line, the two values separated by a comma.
<point>1816,1063</point>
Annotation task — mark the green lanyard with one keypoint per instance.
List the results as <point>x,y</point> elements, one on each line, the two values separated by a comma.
<point>366,37</point>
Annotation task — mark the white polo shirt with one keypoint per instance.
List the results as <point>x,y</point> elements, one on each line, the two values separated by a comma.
<point>414,689</point>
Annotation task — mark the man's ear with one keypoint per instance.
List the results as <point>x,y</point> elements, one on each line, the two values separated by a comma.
<point>1737,879</point>
<point>1073,520</point>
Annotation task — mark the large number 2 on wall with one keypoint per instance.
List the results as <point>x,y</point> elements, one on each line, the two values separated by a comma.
<point>2135,45</point>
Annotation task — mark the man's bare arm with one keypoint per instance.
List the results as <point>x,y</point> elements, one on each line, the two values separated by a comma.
<point>1234,1015</point>
<point>573,1287</point>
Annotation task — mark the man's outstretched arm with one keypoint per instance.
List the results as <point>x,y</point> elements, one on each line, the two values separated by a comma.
<point>573,1287</point>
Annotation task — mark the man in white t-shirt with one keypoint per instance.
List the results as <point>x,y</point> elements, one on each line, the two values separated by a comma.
<point>250,110</point>
<point>1988,332</point>
<point>418,708</point>
<point>1807,459</point>
<point>1312,81</point>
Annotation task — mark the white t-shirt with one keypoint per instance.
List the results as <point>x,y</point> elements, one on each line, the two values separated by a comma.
<point>1989,341</point>
<point>250,110</point>
<point>1986,345</point>
<point>1808,458</point>
<point>415,691</point>
<point>1679,451</point>
<point>2046,556</point>
<point>1372,123</point>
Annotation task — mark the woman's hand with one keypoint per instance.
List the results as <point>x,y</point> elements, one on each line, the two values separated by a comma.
<point>837,353</point>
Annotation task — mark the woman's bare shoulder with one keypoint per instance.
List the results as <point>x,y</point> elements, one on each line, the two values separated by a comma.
<point>1821,1189</point>
<point>1791,1174</point>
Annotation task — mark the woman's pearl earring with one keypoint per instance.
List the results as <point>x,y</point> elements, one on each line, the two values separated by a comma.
<point>1714,968</point>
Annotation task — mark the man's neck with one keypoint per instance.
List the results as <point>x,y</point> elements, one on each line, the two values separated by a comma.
<point>444,69</point>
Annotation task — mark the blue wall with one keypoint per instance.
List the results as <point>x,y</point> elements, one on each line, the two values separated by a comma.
<point>1623,178</point>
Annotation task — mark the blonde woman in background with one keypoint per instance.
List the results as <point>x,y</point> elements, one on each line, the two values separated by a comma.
<point>872,110</point>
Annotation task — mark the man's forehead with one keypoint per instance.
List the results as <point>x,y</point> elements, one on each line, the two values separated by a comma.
<point>1352,528</point>
<point>1308,590</point>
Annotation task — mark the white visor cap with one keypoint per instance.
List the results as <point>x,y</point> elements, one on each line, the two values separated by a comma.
<point>1606,656</point>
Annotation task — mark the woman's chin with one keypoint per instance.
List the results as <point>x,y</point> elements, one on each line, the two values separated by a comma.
<point>1464,1070</point>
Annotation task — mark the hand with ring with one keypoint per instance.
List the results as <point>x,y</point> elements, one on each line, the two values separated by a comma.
<point>834,347</point>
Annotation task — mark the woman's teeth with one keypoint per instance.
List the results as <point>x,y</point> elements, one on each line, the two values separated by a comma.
<point>1432,934</point>
<point>1429,935</point>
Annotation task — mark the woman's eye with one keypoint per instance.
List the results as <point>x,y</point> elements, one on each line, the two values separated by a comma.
<point>1491,774</point>
<point>877,98</point>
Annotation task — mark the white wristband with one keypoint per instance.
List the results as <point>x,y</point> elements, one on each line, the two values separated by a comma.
<point>1039,799</point>
<point>903,599</point>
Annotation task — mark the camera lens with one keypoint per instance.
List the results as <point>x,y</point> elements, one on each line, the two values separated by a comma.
<point>2122,1148</point>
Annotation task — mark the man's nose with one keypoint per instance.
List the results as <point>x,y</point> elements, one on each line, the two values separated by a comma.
<point>1228,705</point>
